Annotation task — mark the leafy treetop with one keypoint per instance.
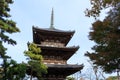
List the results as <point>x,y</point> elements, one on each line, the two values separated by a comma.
<point>106,35</point>
<point>98,5</point>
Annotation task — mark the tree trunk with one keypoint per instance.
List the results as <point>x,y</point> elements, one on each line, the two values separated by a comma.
<point>96,76</point>
<point>102,75</point>
<point>31,75</point>
<point>5,68</point>
<point>118,75</point>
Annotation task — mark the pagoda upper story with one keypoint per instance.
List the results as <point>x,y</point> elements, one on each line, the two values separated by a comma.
<point>51,37</point>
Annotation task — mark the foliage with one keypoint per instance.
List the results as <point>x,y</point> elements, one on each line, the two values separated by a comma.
<point>70,78</point>
<point>106,35</point>
<point>36,66</point>
<point>112,78</point>
<point>98,5</point>
<point>33,52</point>
<point>6,27</point>
<point>16,71</point>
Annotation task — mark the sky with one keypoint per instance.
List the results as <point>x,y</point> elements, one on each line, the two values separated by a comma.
<point>68,15</point>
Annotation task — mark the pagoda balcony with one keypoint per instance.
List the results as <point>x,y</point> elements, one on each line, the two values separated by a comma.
<point>52,44</point>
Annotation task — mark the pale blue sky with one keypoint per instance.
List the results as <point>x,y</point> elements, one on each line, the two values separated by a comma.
<point>68,15</point>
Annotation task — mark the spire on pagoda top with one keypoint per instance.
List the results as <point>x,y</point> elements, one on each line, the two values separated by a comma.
<point>52,20</point>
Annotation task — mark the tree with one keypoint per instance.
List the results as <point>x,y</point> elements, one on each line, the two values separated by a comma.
<point>98,72</point>
<point>6,27</point>
<point>98,5</point>
<point>35,64</point>
<point>106,35</point>
<point>93,72</point>
<point>16,71</point>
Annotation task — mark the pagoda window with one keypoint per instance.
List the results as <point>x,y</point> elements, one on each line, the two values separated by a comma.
<point>59,58</point>
<point>53,75</point>
<point>45,57</point>
<point>57,41</point>
<point>52,57</point>
<point>46,40</point>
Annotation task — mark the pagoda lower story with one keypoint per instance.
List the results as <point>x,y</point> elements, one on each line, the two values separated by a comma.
<point>60,72</point>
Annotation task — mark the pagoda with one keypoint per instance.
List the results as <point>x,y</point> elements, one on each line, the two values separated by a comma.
<point>53,43</point>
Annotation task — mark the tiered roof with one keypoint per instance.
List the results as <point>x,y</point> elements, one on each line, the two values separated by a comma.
<point>63,69</point>
<point>64,52</point>
<point>42,34</point>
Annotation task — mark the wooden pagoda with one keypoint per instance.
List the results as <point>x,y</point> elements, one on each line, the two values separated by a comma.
<point>53,43</point>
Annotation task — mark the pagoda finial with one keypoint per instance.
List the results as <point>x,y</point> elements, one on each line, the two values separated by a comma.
<point>52,19</point>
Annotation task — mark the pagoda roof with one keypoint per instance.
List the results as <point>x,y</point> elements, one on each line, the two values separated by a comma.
<point>42,34</point>
<point>64,52</point>
<point>52,30</point>
<point>75,66</point>
<point>65,70</point>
